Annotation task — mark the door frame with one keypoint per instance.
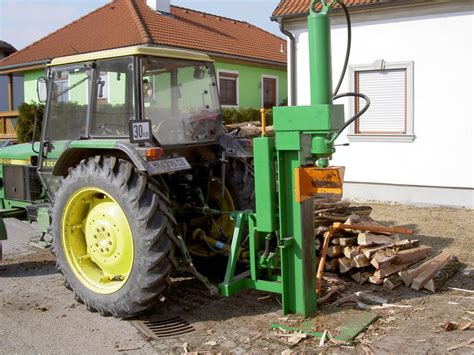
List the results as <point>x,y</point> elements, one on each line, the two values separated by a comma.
<point>277,88</point>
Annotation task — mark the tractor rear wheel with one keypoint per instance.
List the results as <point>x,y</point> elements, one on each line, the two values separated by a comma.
<point>113,237</point>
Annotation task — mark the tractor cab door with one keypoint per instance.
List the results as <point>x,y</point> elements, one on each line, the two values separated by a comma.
<point>66,115</point>
<point>88,101</point>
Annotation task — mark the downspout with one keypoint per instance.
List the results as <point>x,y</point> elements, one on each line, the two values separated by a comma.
<point>293,74</point>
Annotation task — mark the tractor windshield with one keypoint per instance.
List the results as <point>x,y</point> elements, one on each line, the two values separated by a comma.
<point>180,98</point>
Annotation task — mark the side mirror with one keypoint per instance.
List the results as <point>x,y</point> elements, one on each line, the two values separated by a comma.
<point>42,89</point>
<point>199,73</point>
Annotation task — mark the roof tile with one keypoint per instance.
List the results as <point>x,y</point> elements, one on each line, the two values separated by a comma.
<point>296,7</point>
<point>124,23</point>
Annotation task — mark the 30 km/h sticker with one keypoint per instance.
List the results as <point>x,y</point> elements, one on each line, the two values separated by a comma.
<point>140,131</point>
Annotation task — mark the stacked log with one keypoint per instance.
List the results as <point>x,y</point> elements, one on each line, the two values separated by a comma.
<point>386,259</point>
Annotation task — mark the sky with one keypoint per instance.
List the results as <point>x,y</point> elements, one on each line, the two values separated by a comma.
<point>24,21</point>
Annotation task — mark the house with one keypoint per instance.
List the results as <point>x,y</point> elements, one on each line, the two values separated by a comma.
<point>414,59</point>
<point>250,62</point>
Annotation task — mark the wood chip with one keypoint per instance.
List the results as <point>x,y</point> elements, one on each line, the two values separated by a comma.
<point>461,289</point>
<point>449,326</point>
<point>461,345</point>
<point>323,338</point>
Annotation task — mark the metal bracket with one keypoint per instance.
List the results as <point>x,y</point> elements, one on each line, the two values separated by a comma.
<point>189,266</point>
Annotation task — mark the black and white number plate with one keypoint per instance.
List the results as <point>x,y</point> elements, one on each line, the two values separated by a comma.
<point>140,131</point>
<point>168,165</point>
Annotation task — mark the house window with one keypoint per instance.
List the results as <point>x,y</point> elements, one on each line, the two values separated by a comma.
<point>11,97</point>
<point>390,89</point>
<point>229,88</point>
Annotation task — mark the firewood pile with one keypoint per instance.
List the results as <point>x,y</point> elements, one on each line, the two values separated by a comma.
<point>368,251</point>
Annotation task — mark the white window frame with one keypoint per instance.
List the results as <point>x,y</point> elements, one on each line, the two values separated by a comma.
<point>407,137</point>
<point>277,93</point>
<point>237,85</point>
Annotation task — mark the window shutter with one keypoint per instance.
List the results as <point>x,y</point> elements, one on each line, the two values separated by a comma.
<point>387,92</point>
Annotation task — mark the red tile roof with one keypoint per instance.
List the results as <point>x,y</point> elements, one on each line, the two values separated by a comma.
<point>123,23</point>
<point>299,7</point>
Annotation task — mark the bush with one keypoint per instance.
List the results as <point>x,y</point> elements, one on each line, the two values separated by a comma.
<point>26,121</point>
<point>239,115</point>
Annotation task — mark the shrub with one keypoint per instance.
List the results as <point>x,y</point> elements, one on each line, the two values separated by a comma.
<point>239,115</point>
<point>26,121</point>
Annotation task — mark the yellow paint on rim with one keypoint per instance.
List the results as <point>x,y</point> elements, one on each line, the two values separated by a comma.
<point>97,240</point>
<point>223,225</point>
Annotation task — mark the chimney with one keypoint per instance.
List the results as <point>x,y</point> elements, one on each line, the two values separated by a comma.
<point>162,6</point>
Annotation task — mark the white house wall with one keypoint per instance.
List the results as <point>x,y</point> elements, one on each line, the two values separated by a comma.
<point>437,167</point>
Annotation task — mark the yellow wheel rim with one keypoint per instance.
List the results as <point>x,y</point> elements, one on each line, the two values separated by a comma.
<point>97,240</point>
<point>223,226</point>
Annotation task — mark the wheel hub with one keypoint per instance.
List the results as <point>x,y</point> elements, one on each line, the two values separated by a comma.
<point>100,252</point>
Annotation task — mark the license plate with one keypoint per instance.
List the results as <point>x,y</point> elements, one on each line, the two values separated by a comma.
<point>140,131</point>
<point>168,165</point>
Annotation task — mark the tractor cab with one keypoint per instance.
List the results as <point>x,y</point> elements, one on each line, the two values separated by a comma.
<point>134,100</point>
<point>97,95</point>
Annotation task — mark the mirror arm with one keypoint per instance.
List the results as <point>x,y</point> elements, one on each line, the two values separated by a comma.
<point>34,131</point>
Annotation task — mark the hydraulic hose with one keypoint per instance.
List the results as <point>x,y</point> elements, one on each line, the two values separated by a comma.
<point>348,48</point>
<point>343,73</point>
<point>356,116</point>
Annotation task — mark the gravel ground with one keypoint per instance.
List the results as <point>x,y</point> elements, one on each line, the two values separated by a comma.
<point>38,315</point>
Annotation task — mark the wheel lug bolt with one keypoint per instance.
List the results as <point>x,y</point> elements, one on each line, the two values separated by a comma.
<point>101,250</point>
<point>110,243</point>
<point>108,234</point>
<point>97,230</point>
<point>103,229</point>
<point>97,245</point>
<point>107,250</point>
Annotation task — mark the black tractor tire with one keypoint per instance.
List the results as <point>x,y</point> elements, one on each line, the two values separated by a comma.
<point>240,183</point>
<point>151,223</point>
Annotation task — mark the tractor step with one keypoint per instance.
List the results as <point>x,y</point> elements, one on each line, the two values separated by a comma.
<point>32,211</point>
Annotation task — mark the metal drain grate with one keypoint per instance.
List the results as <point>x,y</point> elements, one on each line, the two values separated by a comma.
<point>164,327</point>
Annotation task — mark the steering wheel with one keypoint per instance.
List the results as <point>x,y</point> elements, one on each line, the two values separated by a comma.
<point>120,131</point>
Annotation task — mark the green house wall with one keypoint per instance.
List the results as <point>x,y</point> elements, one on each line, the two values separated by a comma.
<point>250,82</point>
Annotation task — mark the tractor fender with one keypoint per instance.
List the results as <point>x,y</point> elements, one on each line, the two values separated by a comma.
<point>75,153</point>
<point>236,147</point>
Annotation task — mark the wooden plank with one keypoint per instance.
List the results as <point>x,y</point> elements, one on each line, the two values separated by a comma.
<point>392,282</point>
<point>372,228</point>
<point>391,269</point>
<point>399,245</point>
<point>418,253</point>
<point>320,271</point>
<point>361,277</point>
<point>331,265</point>
<point>380,260</point>
<point>350,252</point>
<point>443,275</point>
<point>360,261</point>
<point>334,251</point>
<point>431,270</point>
<point>344,242</point>
<point>375,280</point>
<point>409,274</point>
<point>344,265</point>
<point>367,239</point>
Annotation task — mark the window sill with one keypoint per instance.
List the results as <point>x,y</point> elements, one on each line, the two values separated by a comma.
<point>230,106</point>
<point>383,138</point>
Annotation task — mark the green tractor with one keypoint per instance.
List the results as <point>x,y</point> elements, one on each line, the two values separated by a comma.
<point>133,164</point>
